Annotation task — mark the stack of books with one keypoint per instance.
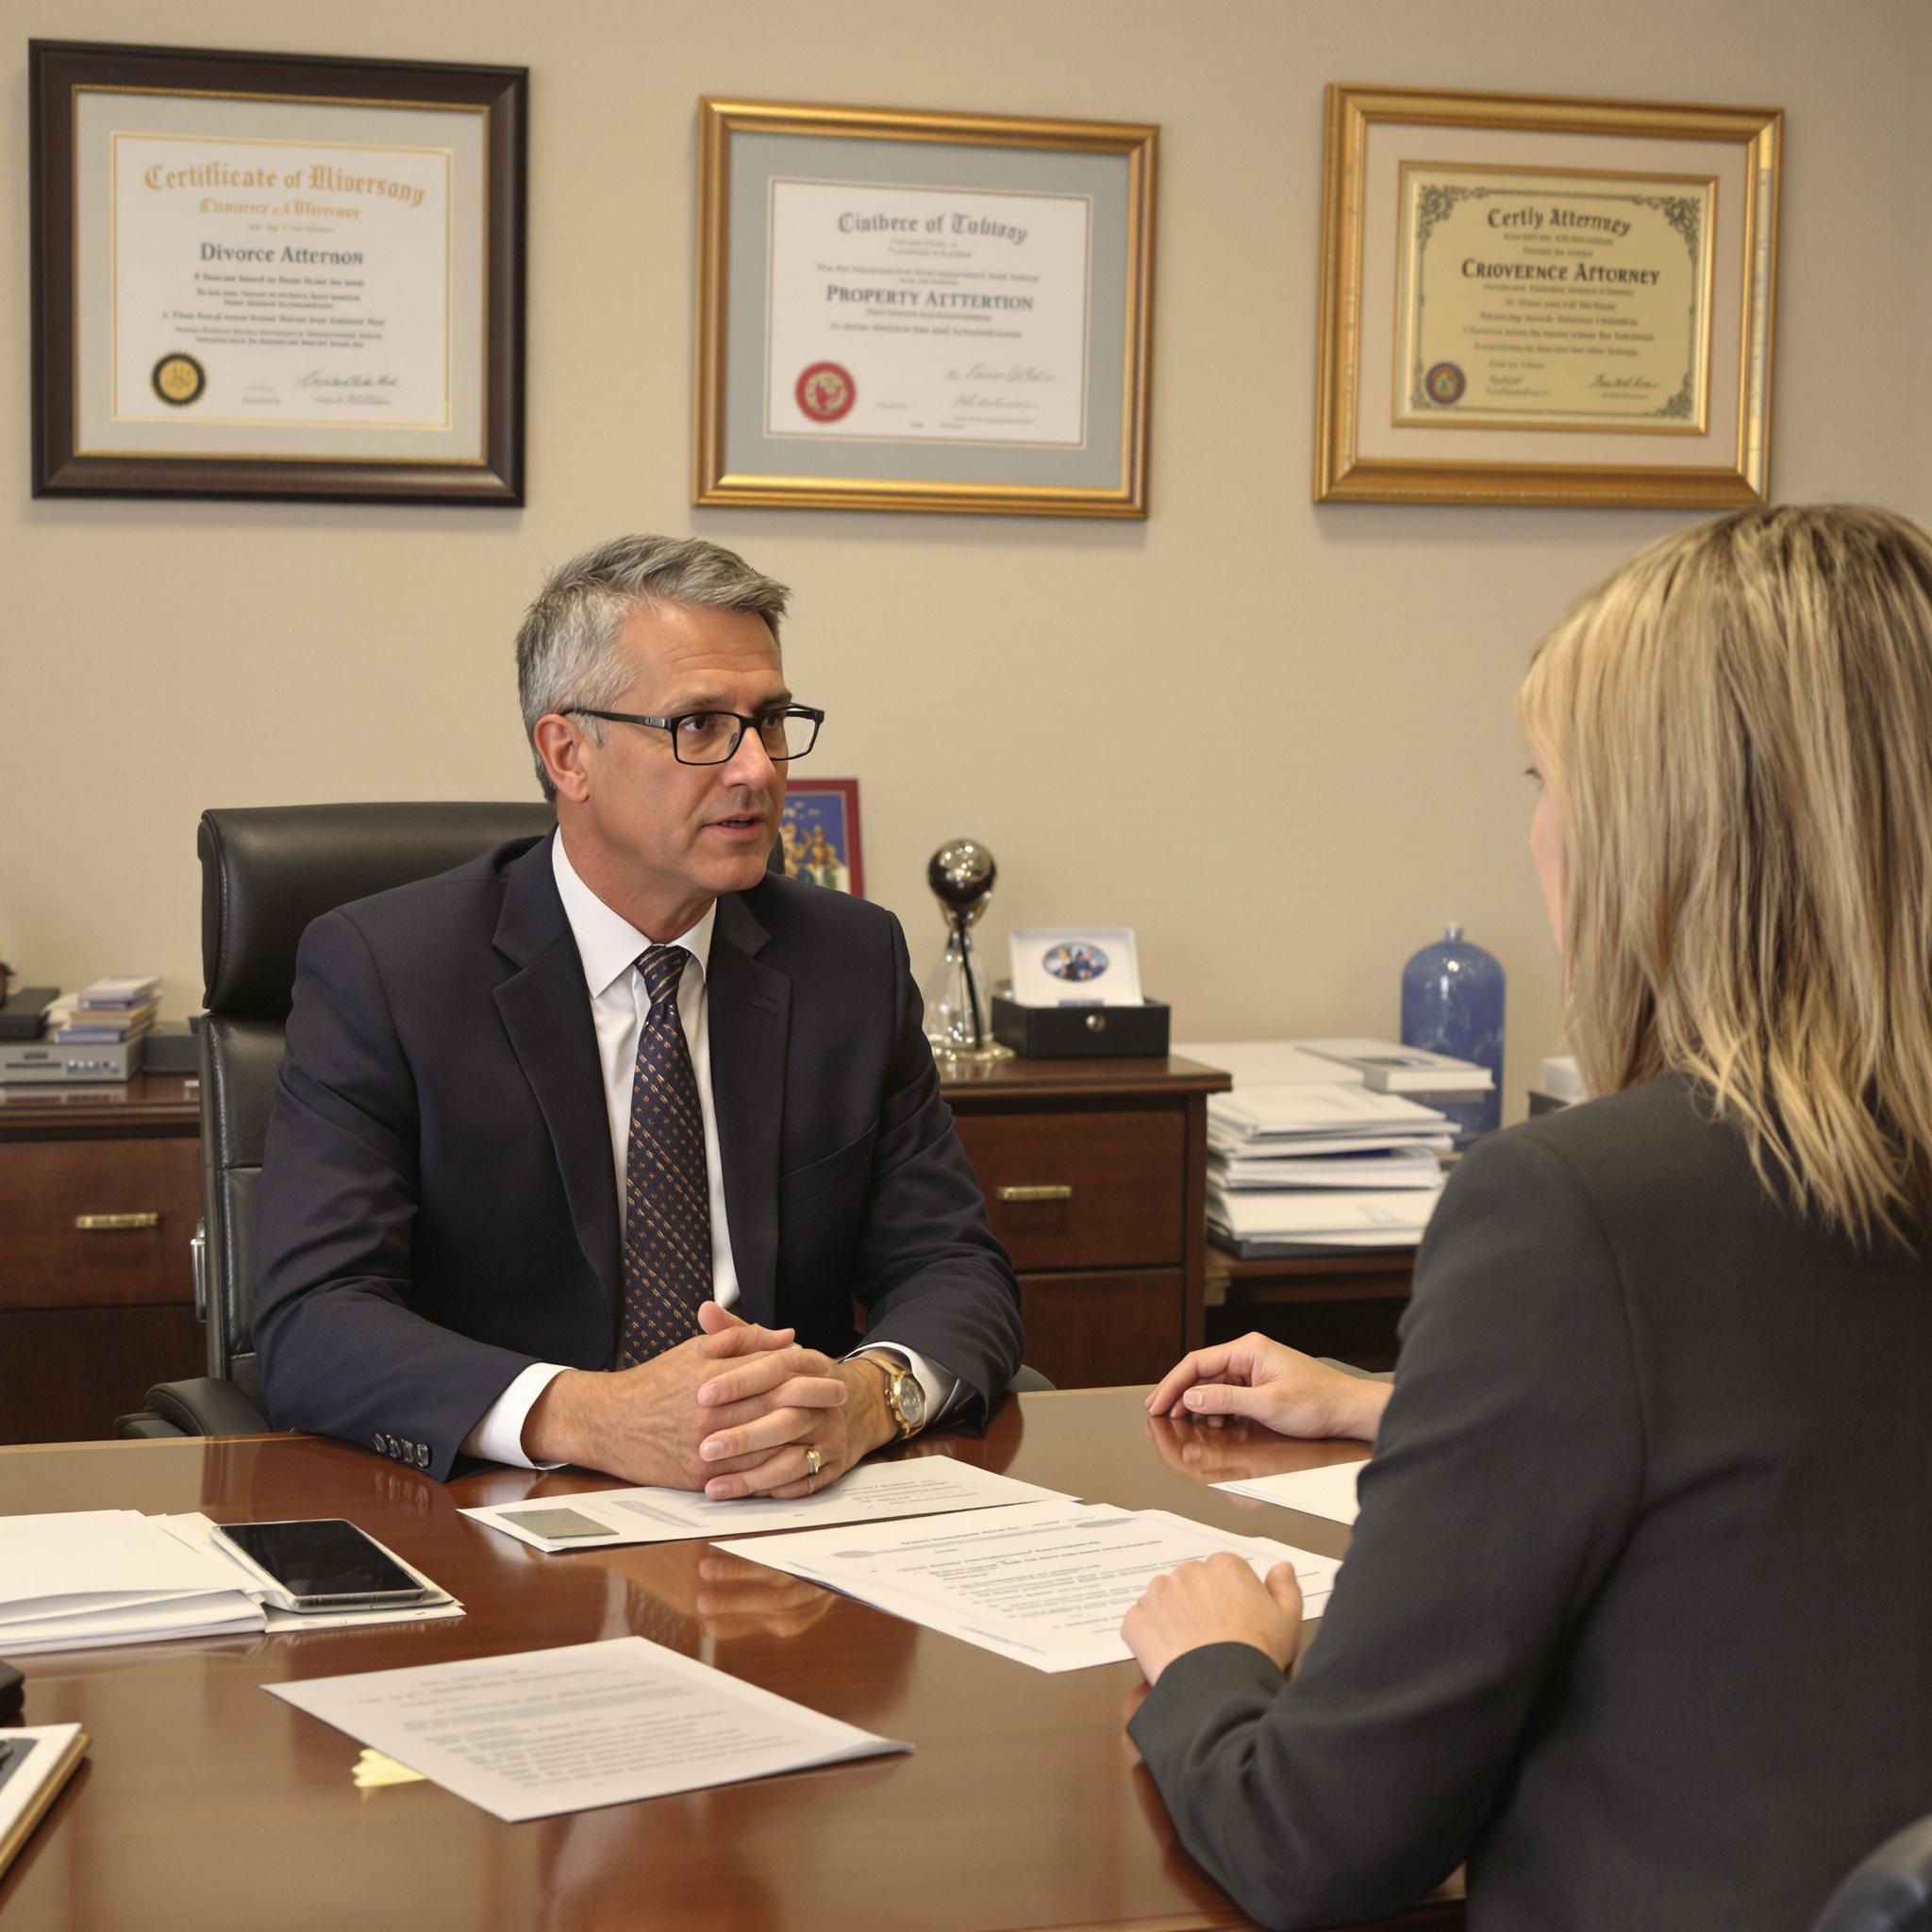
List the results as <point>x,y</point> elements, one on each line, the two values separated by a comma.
<point>1306,1156</point>
<point>109,1012</point>
<point>1387,1068</point>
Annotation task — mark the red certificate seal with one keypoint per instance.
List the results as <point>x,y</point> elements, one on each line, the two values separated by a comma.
<point>827,392</point>
<point>1445,384</point>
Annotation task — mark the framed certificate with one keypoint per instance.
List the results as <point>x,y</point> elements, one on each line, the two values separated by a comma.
<point>922,311</point>
<point>276,275</point>
<point>1538,301</point>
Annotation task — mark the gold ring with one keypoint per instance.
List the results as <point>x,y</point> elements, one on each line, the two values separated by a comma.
<point>813,1462</point>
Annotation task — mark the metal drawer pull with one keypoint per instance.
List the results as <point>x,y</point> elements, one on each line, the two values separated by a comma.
<point>110,1223</point>
<point>1045,1193</point>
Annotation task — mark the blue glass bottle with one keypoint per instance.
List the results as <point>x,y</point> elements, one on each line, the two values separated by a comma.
<point>1451,1002</point>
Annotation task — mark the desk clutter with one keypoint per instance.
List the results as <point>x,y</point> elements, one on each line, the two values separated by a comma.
<point>1323,1145</point>
<point>99,1033</point>
<point>108,1032</point>
<point>81,1579</point>
<point>1030,1573</point>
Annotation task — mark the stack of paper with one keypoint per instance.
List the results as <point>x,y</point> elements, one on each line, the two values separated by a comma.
<point>77,1580</point>
<point>1304,1156</point>
<point>95,1577</point>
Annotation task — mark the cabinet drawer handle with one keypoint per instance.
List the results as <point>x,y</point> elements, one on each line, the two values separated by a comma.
<point>110,1223</point>
<point>1046,1194</point>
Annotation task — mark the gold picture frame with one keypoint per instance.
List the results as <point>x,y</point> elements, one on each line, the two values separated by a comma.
<point>1508,381</point>
<point>1027,257</point>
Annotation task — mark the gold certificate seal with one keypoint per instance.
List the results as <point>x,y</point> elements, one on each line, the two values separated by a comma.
<point>178,379</point>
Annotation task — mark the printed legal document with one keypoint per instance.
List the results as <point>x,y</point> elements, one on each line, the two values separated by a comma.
<point>1328,1492</point>
<point>547,1731</point>
<point>1045,1584</point>
<point>923,1486</point>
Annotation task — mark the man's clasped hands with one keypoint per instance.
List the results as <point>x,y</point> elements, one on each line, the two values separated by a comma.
<point>739,1409</point>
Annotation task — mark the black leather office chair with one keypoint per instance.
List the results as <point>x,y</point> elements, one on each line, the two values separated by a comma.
<point>265,874</point>
<point>1889,1892</point>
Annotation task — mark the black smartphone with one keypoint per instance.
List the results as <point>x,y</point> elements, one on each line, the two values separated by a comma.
<point>323,1563</point>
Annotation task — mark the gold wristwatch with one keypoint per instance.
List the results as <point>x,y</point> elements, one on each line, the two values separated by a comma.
<point>904,1398</point>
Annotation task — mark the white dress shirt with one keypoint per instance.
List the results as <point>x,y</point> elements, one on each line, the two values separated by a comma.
<point>609,947</point>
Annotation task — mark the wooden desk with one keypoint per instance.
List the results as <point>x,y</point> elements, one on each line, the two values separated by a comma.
<point>206,1802</point>
<point>1096,1175</point>
<point>1112,1268</point>
<point>100,1189</point>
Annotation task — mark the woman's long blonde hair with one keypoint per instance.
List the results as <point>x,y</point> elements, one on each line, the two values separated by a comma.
<point>1737,731</point>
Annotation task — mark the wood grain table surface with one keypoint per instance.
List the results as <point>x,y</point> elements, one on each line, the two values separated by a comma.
<point>207,1802</point>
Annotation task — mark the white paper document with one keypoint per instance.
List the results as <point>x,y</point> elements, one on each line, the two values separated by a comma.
<point>1269,1063</point>
<point>547,1731</point>
<point>923,1486</point>
<point>1288,1113</point>
<point>1284,1214</point>
<point>71,1580</point>
<point>1328,1492</point>
<point>1236,1151</point>
<point>1045,1584</point>
<point>1407,1167</point>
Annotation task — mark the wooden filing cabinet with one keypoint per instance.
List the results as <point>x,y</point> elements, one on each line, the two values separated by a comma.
<point>100,1190</point>
<point>1094,1172</point>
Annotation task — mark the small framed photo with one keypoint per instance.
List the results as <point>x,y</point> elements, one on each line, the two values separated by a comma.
<point>818,833</point>
<point>1074,966</point>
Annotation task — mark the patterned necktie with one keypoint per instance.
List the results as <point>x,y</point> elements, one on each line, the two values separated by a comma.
<point>667,1209</point>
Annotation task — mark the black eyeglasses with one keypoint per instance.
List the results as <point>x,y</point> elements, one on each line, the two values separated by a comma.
<point>713,737</point>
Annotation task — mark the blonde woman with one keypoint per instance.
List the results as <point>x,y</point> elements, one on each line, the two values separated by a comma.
<point>1638,1618</point>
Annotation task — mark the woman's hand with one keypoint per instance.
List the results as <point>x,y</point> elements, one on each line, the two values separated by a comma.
<point>1276,1385</point>
<point>1219,1601</point>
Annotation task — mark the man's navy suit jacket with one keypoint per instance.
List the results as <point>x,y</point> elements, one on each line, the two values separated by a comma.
<point>438,1202</point>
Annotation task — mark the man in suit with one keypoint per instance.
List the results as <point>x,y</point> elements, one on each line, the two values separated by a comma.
<point>563,1135</point>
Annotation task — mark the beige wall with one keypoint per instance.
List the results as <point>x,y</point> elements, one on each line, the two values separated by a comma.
<point>1011,680</point>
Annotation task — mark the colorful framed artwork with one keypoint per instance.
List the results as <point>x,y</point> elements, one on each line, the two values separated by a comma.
<point>1531,300</point>
<point>818,834</point>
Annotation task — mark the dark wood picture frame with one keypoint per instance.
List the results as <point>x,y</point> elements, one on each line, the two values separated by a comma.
<point>59,70</point>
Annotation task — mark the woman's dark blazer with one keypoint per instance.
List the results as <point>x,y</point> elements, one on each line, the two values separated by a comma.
<point>1637,1617</point>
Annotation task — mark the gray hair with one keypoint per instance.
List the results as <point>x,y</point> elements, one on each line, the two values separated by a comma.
<point>566,645</point>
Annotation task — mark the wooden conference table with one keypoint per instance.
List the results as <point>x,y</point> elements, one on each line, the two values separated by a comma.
<point>206,1801</point>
